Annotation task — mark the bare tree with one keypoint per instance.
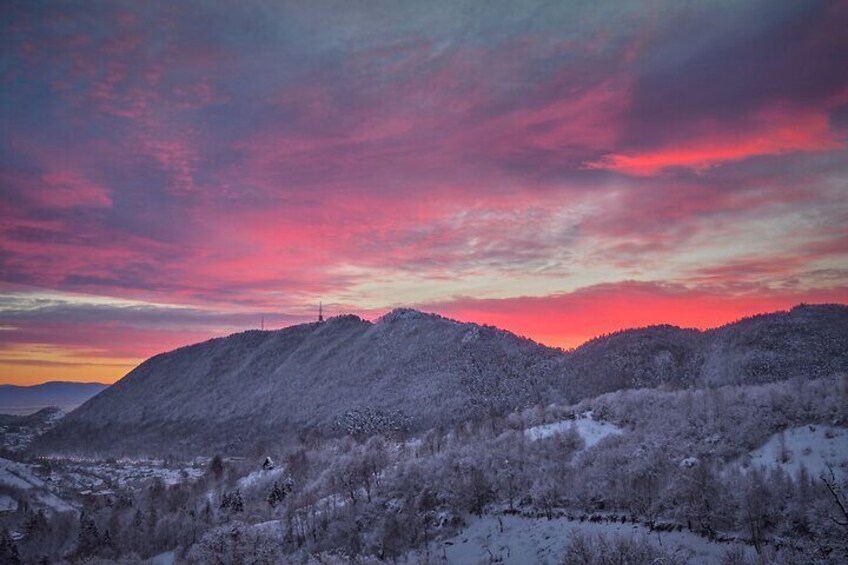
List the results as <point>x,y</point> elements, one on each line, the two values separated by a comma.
<point>838,493</point>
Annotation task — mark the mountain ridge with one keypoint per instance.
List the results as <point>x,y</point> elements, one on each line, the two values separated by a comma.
<point>413,370</point>
<point>27,399</point>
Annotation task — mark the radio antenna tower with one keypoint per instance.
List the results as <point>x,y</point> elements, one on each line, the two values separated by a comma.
<point>262,321</point>
<point>320,312</point>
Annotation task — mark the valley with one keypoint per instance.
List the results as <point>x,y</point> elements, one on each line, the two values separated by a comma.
<point>487,455</point>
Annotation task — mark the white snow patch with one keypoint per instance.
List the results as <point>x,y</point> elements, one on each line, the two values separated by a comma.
<point>689,462</point>
<point>166,558</point>
<point>271,528</point>
<point>813,446</point>
<point>592,431</point>
<point>18,475</point>
<point>7,503</point>
<point>260,478</point>
<point>54,502</point>
<point>538,540</point>
<point>56,416</point>
<point>21,475</point>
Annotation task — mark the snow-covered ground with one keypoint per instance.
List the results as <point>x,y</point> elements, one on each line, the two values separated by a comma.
<point>21,476</point>
<point>262,479</point>
<point>537,540</point>
<point>166,558</point>
<point>7,503</point>
<point>812,446</point>
<point>591,430</point>
<point>18,475</point>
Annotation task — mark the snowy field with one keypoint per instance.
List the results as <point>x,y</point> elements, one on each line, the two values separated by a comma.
<point>166,558</point>
<point>516,540</point>
<point>591,430</point>
<point>814,446</point>
<point>21,476</point>
<point>7,503</point>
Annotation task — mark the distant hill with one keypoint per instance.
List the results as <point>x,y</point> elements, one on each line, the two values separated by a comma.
<point>808,341</point>
<point>13,421</point>
<point>17,432</point>
<point>412,370</point>
<point>22,400</point>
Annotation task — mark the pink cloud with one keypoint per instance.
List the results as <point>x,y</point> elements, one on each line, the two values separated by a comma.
<point>577,120</point>
<point>773,131</point>
<point>68,189</point>
<point>58,189</point>
<point>170,170</point>
<point>570,319</point>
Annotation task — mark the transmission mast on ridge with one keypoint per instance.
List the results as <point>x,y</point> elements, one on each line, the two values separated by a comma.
<point>320,312</point>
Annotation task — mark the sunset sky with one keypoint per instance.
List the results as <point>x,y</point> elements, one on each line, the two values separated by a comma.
<point>169,171</point>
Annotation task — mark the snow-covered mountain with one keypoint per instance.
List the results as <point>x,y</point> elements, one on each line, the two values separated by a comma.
<point>412,370</point>
<point>808,341</point>
<point>346,374</point>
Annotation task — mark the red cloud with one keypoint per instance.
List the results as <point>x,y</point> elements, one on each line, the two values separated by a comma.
<point>570,319</point>
<point>566,319</point>
<point>170,170</point>
<point>774,131</point>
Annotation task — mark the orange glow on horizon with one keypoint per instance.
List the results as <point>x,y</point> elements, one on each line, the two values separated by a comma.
<point>565,320</point>
<point>34,364</point>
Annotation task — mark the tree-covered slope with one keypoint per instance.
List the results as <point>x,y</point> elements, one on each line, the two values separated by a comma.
<point>408,370</point>
<point>412,371</point>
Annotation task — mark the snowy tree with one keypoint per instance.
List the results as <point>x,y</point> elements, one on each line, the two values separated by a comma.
<point>89,536</point>
<point>839,495</point>
<point>8,549</point>
<point>755,508</point>
<point>277,494</point>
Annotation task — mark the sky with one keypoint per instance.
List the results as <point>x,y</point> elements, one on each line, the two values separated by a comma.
<point>173,171</point>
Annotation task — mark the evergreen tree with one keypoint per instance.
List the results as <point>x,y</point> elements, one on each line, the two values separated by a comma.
<point>36,523</point>
<point>237,502</point>
<point>276,495</point>
<point>232,501</point>
<point>8,549</point>
<point>89,536</point>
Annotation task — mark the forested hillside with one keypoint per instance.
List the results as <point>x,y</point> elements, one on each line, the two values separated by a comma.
<point>410,371</point>
<point>668,476</point>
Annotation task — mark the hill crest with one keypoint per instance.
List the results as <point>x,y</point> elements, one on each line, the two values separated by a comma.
<point>261,386</point>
